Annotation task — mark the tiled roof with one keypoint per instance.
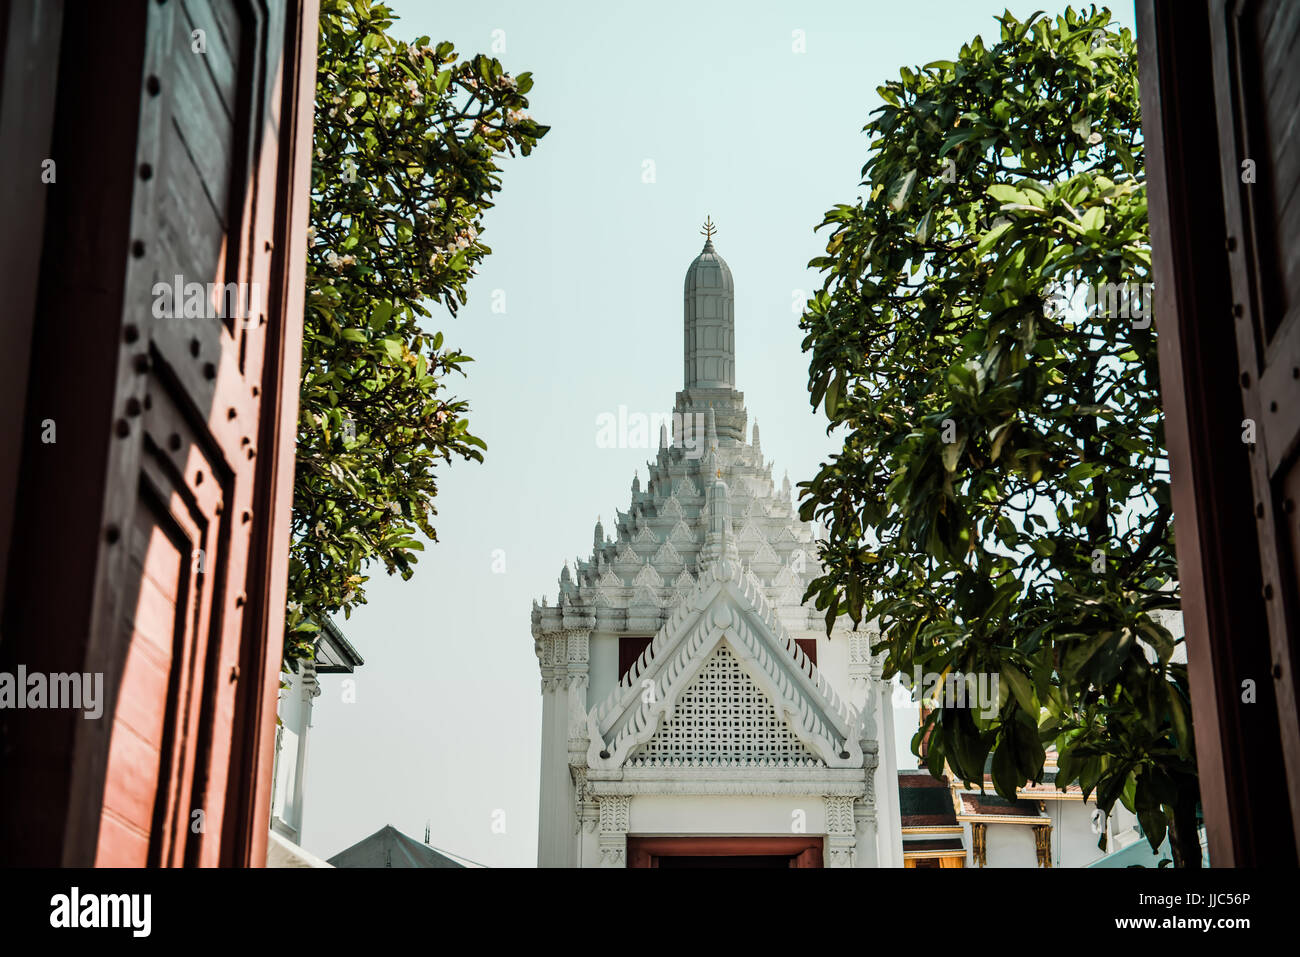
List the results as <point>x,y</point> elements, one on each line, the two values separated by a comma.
<point>989,804</point>
<point>389,847</point>
<point>1047,789</point>
<point>925,801</point>
<point>933,844</point>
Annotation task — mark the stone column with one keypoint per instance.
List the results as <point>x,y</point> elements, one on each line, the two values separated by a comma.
<point>549,852</point>
<point>865,827</point>
<point>575,646</point>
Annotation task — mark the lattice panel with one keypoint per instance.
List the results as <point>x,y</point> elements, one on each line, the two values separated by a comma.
<point>724,717</point>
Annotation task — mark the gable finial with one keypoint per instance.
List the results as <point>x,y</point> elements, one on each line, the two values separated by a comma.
<point>709,229</point>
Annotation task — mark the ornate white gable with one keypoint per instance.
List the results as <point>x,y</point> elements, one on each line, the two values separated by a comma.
<point>724,719</point>
<point>681,534</point>
<point>648,576</point>
<point>667,555</point>
<point>731,614</point>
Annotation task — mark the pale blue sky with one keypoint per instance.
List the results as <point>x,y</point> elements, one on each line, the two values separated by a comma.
<point>590,259</point>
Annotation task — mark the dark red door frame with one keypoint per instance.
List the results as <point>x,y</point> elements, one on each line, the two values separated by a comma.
<point>111,377</point>
<point>646,851</point>
<point>1241,746</point>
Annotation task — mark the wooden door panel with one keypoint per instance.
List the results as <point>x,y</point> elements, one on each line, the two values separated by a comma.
<point>1257,92</point>
<point>195,456</point>
<point>172,162</point>
<point>165,630</point>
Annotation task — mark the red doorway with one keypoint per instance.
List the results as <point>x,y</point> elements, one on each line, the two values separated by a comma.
<point>726,852</point>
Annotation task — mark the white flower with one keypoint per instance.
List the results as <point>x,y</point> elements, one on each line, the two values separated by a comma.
<point>515,116</point>
<point>332,258</point>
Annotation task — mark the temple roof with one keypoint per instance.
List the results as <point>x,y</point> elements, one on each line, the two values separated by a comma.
<point>633,580</point>
<point>389,847</point>
<point>708,271</point>
<point>988,806</point>
<point>724,623</point>
<point>925,801</point>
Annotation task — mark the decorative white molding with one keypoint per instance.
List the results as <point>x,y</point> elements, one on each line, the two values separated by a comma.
<point>681,534</point>
<point>685,488</point>
<point>839,814</point>
<point>841,831</point>
<point>648,576</point>
<point>614,811</point>
<point>747,781</point>
<point>667,555</point>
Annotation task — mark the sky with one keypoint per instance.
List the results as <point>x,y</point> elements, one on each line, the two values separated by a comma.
<point>660,114</point>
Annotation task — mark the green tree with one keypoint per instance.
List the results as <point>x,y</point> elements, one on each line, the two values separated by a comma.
<point>1001,502</point>
<point>407,139</point>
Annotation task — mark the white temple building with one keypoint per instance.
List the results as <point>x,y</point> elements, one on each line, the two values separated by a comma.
<point>694,711</point>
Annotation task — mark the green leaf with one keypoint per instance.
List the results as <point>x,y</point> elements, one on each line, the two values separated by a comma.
<point>1020,687</point>
<point>990,238</point>
<point>902,190</point>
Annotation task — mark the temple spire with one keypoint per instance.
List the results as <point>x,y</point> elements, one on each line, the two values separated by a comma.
<point>709,300</point>
<point>719,544</point>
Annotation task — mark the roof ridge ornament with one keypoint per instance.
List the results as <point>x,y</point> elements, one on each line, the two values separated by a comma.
<point>708,230</point>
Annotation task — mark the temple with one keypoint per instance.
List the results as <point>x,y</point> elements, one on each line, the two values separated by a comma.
<point>694,711</point>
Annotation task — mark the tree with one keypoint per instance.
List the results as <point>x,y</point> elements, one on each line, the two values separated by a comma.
<point>983,339</point>
<point>406,146</point>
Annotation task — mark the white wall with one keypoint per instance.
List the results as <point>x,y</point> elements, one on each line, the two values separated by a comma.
<point>726,814</point>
